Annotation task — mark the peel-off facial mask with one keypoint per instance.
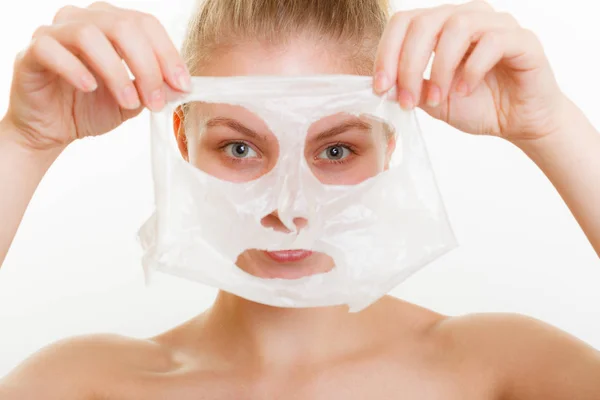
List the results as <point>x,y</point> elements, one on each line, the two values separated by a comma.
<point>255,166</point>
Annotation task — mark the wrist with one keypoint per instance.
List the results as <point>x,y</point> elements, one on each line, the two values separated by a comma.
<point>11,138</point>
<point>566,126</point>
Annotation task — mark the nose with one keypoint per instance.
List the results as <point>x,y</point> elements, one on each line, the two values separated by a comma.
<point>272,221</point>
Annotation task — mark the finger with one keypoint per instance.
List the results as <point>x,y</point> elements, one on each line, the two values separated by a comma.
<point>132,34</point>
<point>492,48</point>
<point>458,35</point>
<point>127,114</point>
<point>65,14</point>
<point>171,95</point>
<point>476,5</point>
<point>438,112</point>
<point>417,49</point>
<point>174,68</point>
<point>146,48</point>
<point>109,18</point>
<point>134,46</point>
<point>104,6</point>
<point>388,50</point>
<point>88,42</point>
<point>45,53</point>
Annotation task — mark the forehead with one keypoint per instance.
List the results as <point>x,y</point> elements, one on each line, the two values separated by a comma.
<point>296,57</point>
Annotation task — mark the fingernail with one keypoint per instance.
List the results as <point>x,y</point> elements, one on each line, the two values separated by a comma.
<point>462,88</point>
<point>130,97</point>
<point>88,83</point>
<point>381,82</point>
<point>406,100</point>
<point>434,96</point>
<point>157,100</point>
<point>183,79</point>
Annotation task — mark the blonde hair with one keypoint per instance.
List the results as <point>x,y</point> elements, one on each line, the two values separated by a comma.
<point>355,24</point>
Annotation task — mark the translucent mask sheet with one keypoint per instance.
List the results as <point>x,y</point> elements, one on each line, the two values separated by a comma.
<point>253,165</point>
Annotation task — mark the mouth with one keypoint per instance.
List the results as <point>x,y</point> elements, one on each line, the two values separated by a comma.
<point>285,264</point>
<point>288,256</point>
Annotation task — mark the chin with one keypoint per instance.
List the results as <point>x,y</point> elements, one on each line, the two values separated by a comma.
<point>289,264</point>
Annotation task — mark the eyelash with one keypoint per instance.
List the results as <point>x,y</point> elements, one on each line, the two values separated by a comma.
<point>351,148</point>
<point>224,145</point>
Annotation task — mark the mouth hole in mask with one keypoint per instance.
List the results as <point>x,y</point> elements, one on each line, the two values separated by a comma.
<point>226,141</point>
<point>288,264</point>
<point>346,149</point>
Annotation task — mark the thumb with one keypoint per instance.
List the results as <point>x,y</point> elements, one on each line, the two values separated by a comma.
<point>438,112</point>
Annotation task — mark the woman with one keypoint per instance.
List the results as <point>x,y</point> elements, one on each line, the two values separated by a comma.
<point>489,76</point>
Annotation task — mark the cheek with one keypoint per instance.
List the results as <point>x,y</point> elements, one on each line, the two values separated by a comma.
<point>368,166</point>
<point>357,170</point>
<point>211,159</point>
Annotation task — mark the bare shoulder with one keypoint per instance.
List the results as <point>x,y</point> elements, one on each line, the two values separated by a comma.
<point>74,367</point>
<point>530,358</point>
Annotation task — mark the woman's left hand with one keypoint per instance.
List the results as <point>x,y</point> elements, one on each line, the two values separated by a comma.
<point>489,75</point>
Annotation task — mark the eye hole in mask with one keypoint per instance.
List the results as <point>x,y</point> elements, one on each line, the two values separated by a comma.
<point>227,141</point>
<point>344,149</point>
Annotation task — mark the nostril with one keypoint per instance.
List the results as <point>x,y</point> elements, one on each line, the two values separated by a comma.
<point>300,223</point>
<point>273,222</point>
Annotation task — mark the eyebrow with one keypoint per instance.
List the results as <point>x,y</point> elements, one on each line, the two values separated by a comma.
<point>326,134</point>
<point>339,129</point>
<point>235,125</point>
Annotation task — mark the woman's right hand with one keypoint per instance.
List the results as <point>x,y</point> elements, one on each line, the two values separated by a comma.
<point>71,81</point>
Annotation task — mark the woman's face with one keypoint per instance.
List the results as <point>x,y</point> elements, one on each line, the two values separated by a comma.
<point>233,144</point>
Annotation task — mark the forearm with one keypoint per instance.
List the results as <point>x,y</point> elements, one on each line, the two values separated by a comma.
<point>570,158</point>
<point>21,170</point>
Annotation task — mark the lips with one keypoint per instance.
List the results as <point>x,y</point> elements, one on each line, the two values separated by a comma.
<point>287,256</point>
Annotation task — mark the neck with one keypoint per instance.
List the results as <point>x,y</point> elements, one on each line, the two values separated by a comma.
<point>289,336</point>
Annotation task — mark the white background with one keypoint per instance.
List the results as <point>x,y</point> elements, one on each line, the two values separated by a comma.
<point>74,267</point>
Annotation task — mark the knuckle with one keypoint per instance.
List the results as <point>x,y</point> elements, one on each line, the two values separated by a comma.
<point>509,18</point>
<point>40,31</point>
<point>534,40</point>
<point>19,59</point>
<point>398,17</point>
<point>84,33</point>
<point>471,71</point>
<point>149,20</point>
<point>494,42</point>
<point>531,35</point>
<point>483,4</point>
<point>421,25</point>
<point>99,5</point>
<point>122,27</point>
<point>446,8</point>
<point>37,46</point>
<point>460,23</point>
<point>493,39</point>
<point>64,13</point>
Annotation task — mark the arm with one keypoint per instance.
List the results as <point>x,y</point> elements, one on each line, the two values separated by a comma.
<point>54,101</point>
<point>21,170</point>
<point>530,359</point>
<point>548,364</point>
<point>491,76</point>
<point>570,158</point>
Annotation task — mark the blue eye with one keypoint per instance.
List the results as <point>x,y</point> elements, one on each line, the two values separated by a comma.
<point>335,153</point>
<point>240,150</point>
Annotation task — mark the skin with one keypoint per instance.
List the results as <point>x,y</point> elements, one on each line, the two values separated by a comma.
<point>239,349</point>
